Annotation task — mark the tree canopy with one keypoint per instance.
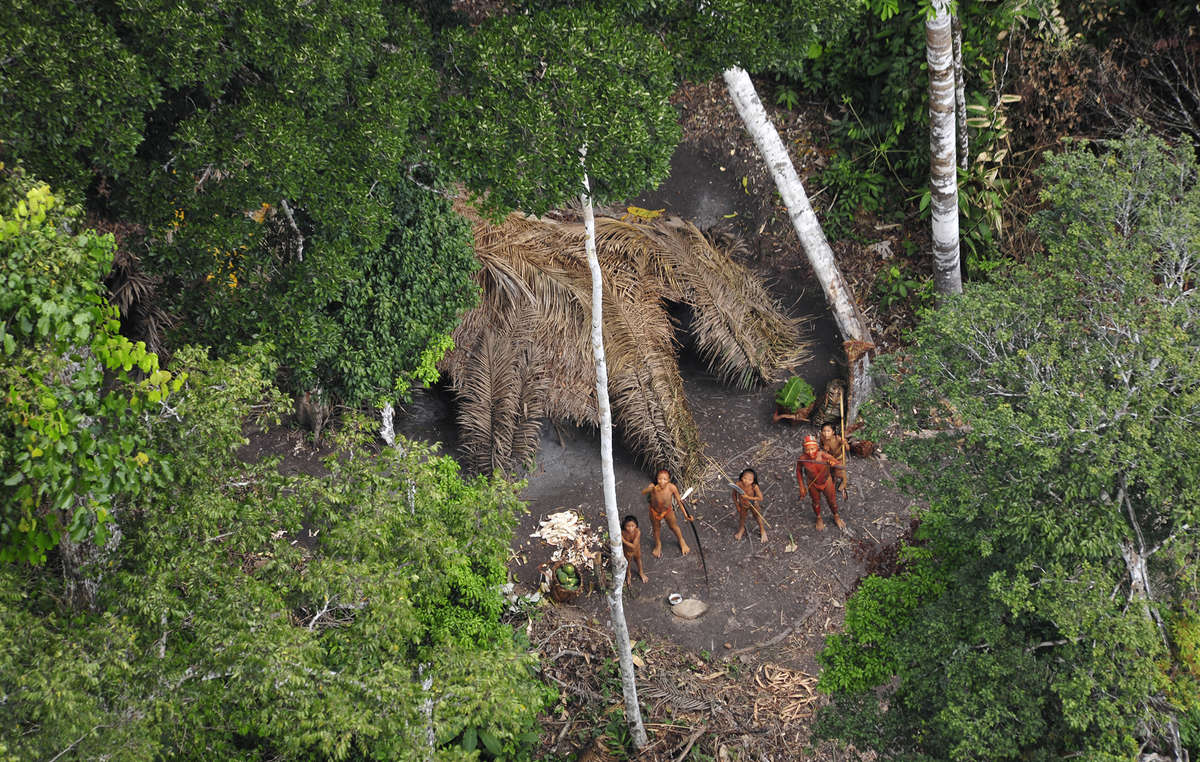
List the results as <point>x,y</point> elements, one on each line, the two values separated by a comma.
<point>74,387</point>
<point>1055,580</point>
<point>245,614</point>
<point>531,90</point>
<point>267,150</point>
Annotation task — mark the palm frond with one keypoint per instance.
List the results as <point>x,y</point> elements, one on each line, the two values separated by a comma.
<point>525,351</point>
<point>501,392</point>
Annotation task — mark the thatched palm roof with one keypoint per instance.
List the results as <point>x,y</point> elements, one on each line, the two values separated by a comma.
<point>524,354</point>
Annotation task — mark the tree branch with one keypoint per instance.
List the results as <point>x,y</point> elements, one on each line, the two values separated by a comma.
<point>287,212</point>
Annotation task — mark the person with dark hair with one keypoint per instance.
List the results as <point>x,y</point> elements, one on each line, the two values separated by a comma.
<point>814,474</point>
<point>836,446</point>
<point>662,494</point>
<point>631,542</point>
<point>746,493</point>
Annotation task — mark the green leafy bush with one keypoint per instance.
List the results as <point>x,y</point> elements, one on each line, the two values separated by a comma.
<point>72,443</point>
<point>895,284</point>
<point>850,190</point>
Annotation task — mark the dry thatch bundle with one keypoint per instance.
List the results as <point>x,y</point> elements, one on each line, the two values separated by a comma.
<point>525,354</point>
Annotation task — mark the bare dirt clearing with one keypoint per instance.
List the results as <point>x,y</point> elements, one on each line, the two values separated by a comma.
<point>770,605</point>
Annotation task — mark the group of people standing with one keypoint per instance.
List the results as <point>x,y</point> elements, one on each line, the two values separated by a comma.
<point>820,472</point>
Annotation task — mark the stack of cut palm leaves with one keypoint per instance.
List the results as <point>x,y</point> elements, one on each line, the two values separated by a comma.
<point>524,354</point>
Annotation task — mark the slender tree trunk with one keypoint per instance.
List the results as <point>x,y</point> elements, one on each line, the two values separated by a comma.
<point>943,180</point>
<point>960,95</point>
<point>633,713</point>
<point>387,432</point>
<point>1140,590</point>
<point>837,293</point>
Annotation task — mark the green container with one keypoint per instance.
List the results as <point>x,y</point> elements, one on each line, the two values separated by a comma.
<point>795,394</point>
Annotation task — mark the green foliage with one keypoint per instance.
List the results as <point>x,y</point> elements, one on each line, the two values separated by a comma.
<point>879,72</point>
<point>879,77</point>
<point>896,284</point>
<point>74,388</point>
<point>531,90</point>
<point>866,654</point>
<point>249,615</point>
<point>1183,676</point>
<point>852,191</point>
<point>705,39</point>
<point>1063,398</point>
<point>269,148</point>
<point>282,209</point>
<point>983,187</point>
<point>385,323</point>
<point>786,96</point>
<point>73,97</point>
<point>796,393</point>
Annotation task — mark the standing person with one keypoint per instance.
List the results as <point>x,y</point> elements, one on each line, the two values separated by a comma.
<point>631,542</point>
<point>836,447</point>
<point>662,492</point>
<point>814,474</point>
<point>745,494</point>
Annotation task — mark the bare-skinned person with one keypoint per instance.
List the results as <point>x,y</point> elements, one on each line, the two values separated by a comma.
<point>662,493</point>
<point>836,446</point>
<point>631,541</point>
<point>814,473</point>
<point>747,497</point>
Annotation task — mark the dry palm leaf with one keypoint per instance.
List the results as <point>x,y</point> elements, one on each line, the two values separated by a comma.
<point>525,352</point>
<point>501,387</point>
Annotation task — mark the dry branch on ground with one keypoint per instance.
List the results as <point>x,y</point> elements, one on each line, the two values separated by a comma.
<point>739,708</point>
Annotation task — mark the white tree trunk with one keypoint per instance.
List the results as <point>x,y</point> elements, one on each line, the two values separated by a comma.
<point>1140,590</point>
<point>633,713</point>
<point>427,709</point>
<point>943,180</point>
<point>387,431</point>
<point>837,293</point>
<point>960,95</point>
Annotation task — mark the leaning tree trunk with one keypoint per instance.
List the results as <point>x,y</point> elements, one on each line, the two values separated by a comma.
<point>837,293</point>
<point>943,180</point>
<point>960,95</point>
<point>633,713</point>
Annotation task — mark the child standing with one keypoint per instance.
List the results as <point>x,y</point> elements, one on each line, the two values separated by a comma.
<point>745,494</point>
<point>662,492</point>
<point>631,541</point>
<point>835,446</point>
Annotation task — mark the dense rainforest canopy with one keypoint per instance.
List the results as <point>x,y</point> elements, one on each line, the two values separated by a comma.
<point>272,178</point>
<point>274,182</point>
